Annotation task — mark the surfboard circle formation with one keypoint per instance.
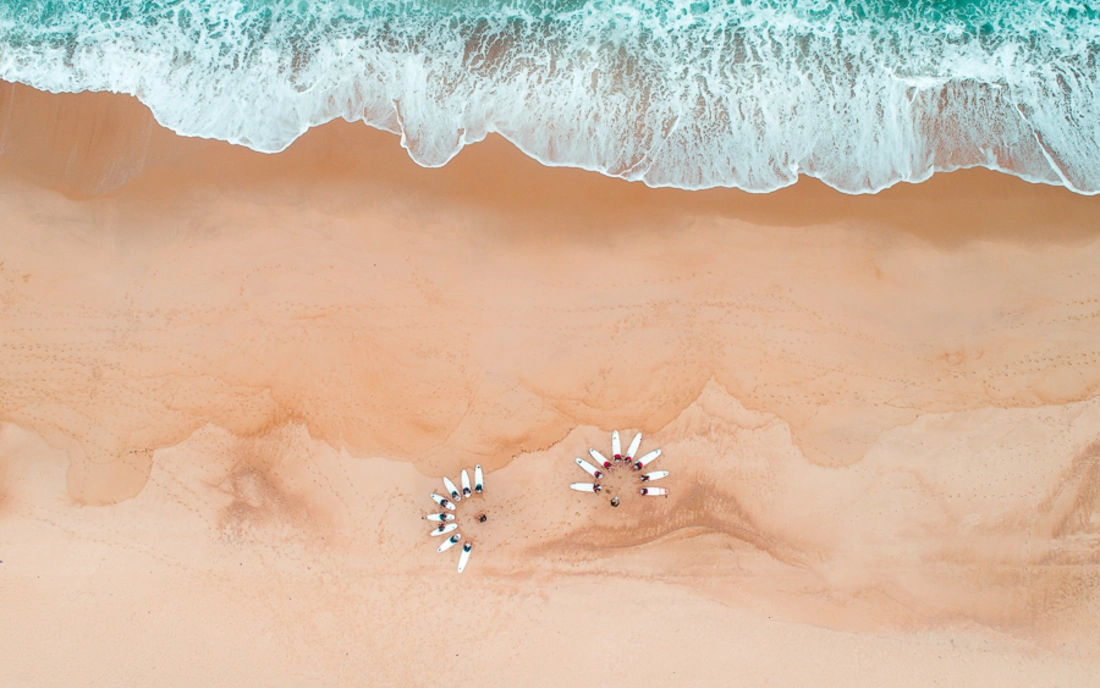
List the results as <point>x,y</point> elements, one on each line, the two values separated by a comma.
<point>447,523</point>
<point>612,471</point>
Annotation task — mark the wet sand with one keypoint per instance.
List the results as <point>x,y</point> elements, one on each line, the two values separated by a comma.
<point>230,382</point>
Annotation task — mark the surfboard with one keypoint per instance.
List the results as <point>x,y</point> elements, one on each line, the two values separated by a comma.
<point>439,518</point>
<point>465,483</point>
<point>444,529</point>
<point>450,542</point>
<point>655,475</point>
<point>648,458</point>
<point>600,458</point>
<point>452,489</point>
<point>654,492</point>
<point>616,448</point>
<point>633,448</point>
<point>589,468</point>
<point>479,484</point>
<point>465,557</point>
<point>586,487</point>
<point>442,501</point>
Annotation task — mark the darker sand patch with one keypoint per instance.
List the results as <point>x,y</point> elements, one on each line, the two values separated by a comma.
<point>693,508</point>
<point>266,503</point>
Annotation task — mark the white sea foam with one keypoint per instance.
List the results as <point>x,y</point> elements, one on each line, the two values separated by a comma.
<point>684,94</point>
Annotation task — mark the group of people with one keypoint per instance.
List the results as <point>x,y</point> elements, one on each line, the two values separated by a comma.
<point>609,464</point>
<point>445,519</point>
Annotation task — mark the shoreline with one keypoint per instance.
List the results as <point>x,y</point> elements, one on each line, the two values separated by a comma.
<point>105,137</point>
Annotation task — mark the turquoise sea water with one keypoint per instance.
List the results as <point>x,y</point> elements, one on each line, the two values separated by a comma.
<point>691,94</point>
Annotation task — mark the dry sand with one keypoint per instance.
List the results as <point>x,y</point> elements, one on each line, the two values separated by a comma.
<point>229,381</point>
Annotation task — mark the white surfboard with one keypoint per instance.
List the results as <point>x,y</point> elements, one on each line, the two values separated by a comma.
<point>647,459</point>
<point>655,475</point>
<point>443,502</point>
<point>586,487</point>
<point>479,483</point>
<point>439,518</point>
<point>633,448</point>
<point>600,458</point>
<point>452,489</point>
<point>465,483</point>
<point>589,468</point>
<point>654,492</point>
<point>450,542</point>
<point>616,448</point>
<point>444,529</point>
<point>465,557</point>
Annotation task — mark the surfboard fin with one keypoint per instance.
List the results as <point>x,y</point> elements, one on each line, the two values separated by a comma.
<point>586,487</point>
<point>450,542</point>
<point>647,459</point>
<point>589,468</point>
<point>452,490</point>
<point>465,557</point>
<point>600,458</point>
<point>443,502</point>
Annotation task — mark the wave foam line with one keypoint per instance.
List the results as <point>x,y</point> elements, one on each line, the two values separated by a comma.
<point>681,94</point>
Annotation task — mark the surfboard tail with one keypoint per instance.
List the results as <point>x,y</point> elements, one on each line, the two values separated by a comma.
<point>600,458</point>
<point>465,557</point>
<point>647,459</point>
<point>450,542</point>
<point>589,468</point>
<point>451,489</point>
<point>443,502</point>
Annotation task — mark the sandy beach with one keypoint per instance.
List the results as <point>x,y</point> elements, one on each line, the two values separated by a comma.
<point>229,382</point>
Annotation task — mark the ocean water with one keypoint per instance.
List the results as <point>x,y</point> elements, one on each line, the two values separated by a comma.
<point>681,93</point>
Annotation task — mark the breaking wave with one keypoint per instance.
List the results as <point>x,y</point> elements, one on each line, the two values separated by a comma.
<point>740,93</point>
